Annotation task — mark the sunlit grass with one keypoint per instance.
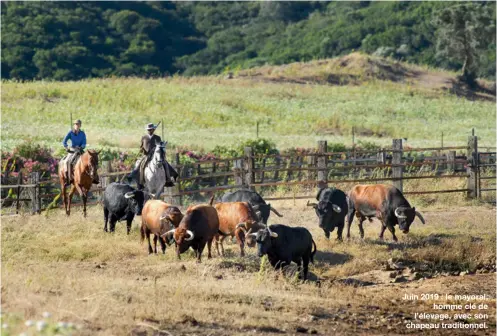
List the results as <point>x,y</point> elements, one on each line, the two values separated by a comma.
<point>207,111</point>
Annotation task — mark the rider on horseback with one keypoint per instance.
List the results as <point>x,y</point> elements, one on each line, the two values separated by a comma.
<point>148,143</point>
<point>78,143</point>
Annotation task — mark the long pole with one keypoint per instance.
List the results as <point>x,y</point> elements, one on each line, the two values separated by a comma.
<point>162,122</point>
<point>70,121</point>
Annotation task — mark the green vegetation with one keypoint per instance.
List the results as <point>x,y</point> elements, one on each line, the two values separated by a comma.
<point>74,40</point>
<point>204,112</point>
<point>465,31</point>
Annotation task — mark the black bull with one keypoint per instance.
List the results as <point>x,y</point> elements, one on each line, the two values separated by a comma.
<point>331,210</point>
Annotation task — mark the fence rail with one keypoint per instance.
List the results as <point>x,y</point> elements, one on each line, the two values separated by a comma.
<point>317,168</point>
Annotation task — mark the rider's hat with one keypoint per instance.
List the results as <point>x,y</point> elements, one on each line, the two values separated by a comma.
<point>77,121</point>
<point>150,127</point>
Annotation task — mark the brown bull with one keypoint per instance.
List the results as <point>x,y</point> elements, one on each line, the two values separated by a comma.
<point>157,218</point>
<point>384,202</point>
<point>237,219</point>
<point>199,226</point>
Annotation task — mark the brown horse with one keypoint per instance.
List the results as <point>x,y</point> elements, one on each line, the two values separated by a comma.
<point>85,174</point>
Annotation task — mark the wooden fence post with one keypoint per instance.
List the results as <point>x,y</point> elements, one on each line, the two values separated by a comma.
<point>173,194</point>
<point>322,162</point>
<point>19,182</point>
<point>397,172</point>
<point>277,163</point>
<point>472,156</point>
<point>451,165</point>
<point>239,176</point>
<point>35,192</point>
<point>249,168</point>
<point>310,164</point>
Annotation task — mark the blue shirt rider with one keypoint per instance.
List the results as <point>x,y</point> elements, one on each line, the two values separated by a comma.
<point>78,143</point>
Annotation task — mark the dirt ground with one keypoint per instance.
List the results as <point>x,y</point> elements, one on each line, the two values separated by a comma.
<point>106,284</point>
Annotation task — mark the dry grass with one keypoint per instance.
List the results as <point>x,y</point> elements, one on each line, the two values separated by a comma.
<point>108,284</point>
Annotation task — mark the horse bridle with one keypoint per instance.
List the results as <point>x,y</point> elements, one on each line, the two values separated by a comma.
<point>91,169</point>
<point>158,163</point>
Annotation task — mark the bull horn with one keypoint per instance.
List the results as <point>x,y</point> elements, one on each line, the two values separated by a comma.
<point>336,208</point>
<point>276,212</point>
<point>420,217</point>
<point>311,204</point>
<point>251,234</point>
<point>168,232</point>
<point>397,214</point>
<point>256,207</point>
<point>273,234</point>
<point>129,194</point>
<point>191,235</point>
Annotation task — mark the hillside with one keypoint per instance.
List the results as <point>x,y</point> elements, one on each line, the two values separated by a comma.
<point>358,68</point>
<point>208,111</point>
<point>75,40</point>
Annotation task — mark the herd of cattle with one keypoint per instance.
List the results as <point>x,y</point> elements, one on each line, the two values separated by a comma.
<point>243,214</point>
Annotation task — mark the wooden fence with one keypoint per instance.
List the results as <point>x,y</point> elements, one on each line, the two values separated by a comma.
<point>311,168</point>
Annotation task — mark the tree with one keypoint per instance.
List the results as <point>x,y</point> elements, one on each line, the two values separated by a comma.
<point>464,33</point>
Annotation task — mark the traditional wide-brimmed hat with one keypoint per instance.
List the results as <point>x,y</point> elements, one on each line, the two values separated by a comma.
<point>77,121</point>
<point>150,127</point>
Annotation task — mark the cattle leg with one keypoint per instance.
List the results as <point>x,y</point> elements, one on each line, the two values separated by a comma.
<point>350,218</point>
<point>155,243</point>
<point>361,229</point>
<point>147,233</point>
<point>200,249</point>
<point>217,245</point>
<point>106,218</point>
<point>209,246</point>
<point>392,230</point>
<point>305,260</point>
<point>240,240</point>
<point>339,233</point>
<point>113,221</point>
<point>162,245</point>
<point>383,228</point>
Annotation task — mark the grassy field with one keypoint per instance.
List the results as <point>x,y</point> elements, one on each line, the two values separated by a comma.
<point>208,111</point>
<point>106,284</point>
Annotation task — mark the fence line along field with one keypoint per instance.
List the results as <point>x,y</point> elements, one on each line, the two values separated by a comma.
<point>470,172</point>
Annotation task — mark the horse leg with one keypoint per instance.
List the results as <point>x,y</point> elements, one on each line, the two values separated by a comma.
<point>71,192</point>
<point>85,198</point>
<point>63,193</point>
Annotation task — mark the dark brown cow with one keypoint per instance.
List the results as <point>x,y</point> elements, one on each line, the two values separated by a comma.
<point>198,227</point>
<point>237,219</point>
<point>384,202</point>
<point>157,218</point>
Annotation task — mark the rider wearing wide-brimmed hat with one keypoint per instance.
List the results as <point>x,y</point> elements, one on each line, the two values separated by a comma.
<point>78,144</point>
<point>148,142</point>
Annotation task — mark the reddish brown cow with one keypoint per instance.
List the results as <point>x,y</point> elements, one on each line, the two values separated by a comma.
<point>199,226</point>
<point>237,219</point>
<point>384,202</point>
<point>157,218</point>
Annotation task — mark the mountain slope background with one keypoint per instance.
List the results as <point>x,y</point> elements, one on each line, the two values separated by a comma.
<point>75,40</point>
